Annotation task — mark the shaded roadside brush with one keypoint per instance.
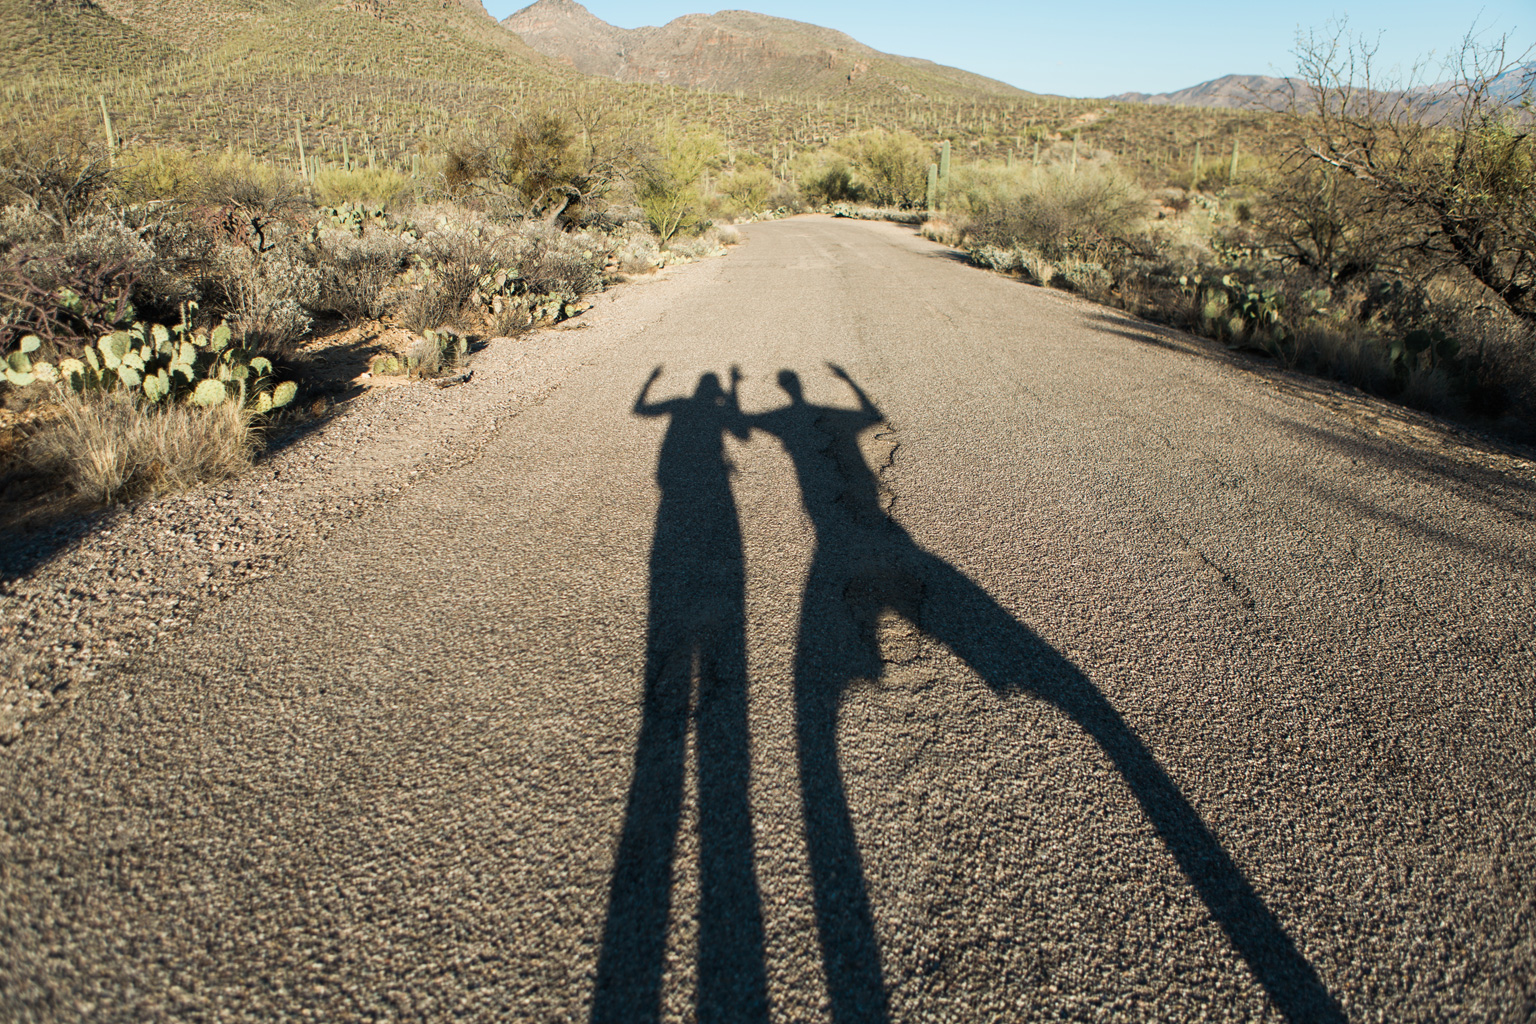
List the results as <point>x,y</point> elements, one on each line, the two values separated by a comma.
<point>148,409</point>
<point>429,354</point>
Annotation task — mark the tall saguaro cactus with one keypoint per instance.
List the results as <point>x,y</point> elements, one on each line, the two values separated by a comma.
<point>106,120</point>
<point>942,185</point>
<point>933,187</point>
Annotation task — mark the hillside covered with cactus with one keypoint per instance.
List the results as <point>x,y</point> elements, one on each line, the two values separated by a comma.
<point>739,51</point>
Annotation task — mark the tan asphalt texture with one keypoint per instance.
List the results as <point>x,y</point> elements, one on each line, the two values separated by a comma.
<point>1063,675</point>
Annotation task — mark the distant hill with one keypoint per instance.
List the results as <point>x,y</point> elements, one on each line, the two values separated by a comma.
<point>1516,83</point>
<point>738,51</point>
<point>419,34</point>
<point>73,37</point>
<point>1263,92</point>
<point>1239,92</point>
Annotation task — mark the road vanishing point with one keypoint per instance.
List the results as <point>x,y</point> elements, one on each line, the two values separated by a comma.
<point>851,636</point>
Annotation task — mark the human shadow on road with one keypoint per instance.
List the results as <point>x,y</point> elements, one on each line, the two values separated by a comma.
<point>697,632</point>
<point>864,565</point>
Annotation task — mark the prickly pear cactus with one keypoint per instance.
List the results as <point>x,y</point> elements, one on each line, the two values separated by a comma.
<point>158,364</point>
<point>19,368</point>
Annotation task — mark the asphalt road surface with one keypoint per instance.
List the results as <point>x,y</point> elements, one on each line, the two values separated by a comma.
<point>980,655</point>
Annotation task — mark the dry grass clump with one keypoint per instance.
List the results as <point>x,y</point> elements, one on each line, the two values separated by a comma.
<point>109,449</point>
<point>430,356</point>
<point>946,232</point>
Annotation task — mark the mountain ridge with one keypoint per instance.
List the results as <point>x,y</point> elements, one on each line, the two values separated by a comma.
<point>1267,92</point>
<point>735,50</point>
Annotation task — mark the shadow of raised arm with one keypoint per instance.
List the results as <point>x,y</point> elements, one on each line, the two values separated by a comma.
<point>645,408</point>
<point>869,408</point>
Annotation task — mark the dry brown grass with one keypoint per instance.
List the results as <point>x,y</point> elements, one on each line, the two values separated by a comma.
<point>111,449</point>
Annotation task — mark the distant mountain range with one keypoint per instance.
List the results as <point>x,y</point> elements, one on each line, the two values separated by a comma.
<point>1264,92</point>
<point>737,50</point>
<point>1246,92</point>
<point>730,51</point>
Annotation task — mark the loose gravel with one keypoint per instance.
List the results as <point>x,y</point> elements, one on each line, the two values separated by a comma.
<point>84,596</point>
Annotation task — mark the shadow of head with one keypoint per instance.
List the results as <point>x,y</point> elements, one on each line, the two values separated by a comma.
<point>709,389</point>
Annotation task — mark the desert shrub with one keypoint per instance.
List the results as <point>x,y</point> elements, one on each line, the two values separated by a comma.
<point>335,186</point>
<point>55,174</point>
<point>22,224</point>
<point>892,167</point>
<point>45,294</point>
<point>448,267</point>
<point>706,244</point>
<point>431,307</point>
<point>1057,212</point>
<point>104,275</point>
<point>434,352</point>
<point>637,253</point>
<point>1086,278</point>
<point>785,200</point>
<point>109,448</point>
<point>158,287</point>
<point>832,183</point>
<point>1036,267</point>
<point>1449,173</point>
<point>355,272</point>
<point>159,175</point>
<point>988,257</point>
<point>668,183</point>
<point>746,191</point>
<point>1325,222</point>
<point>892,214</point>
<point>947,232</point>
<point>266,293</point>
<point>551,262</point>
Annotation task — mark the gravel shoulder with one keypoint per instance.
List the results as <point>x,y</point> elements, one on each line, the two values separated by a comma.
<point>83,596</point>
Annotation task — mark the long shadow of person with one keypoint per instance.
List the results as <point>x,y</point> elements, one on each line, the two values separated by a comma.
<point>865,564</point>
<point>697,632</point>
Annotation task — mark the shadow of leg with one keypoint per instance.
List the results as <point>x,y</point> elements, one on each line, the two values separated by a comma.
<point>629,967</point>
<point>733,983</point>
<point>1011,658</point>
<point>832,652</point>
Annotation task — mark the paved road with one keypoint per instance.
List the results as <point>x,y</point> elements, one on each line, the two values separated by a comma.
<point>997,661</point>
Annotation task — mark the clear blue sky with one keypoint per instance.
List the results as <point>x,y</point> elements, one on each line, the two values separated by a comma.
<point>1098,49</point>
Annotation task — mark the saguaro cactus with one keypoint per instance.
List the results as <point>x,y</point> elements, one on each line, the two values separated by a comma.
<point>106,120</point>
<point>943,182</point>
<point>933,186</point>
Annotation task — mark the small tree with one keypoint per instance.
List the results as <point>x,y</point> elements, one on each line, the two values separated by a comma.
<point>894,166</point>
<point>556,165</point>
<point>1452,168</point>
<point>748,189</point>
<point>668,189</point>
